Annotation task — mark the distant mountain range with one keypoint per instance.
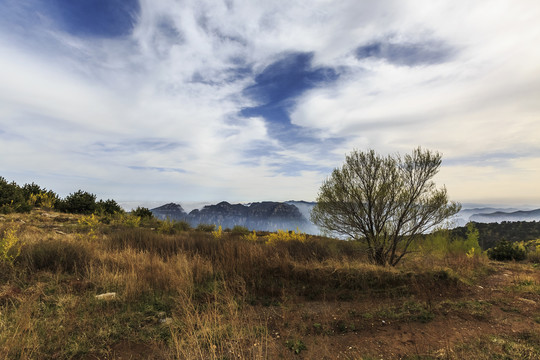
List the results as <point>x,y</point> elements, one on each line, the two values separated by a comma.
<point>500,216</point>
<point>271,216</point>
<point>264,216</point>
<point>495,215</point>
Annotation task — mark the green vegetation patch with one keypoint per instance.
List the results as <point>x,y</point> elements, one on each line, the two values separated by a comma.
<point>410,311</point>
<point>476,308</point>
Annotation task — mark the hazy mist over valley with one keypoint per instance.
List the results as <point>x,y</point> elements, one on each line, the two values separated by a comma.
<point>482,213</point>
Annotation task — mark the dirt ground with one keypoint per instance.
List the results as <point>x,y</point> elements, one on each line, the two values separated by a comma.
<point>448,326</point>
<point>353,330</point>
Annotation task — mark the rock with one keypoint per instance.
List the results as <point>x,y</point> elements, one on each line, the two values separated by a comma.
<point>106,296</point>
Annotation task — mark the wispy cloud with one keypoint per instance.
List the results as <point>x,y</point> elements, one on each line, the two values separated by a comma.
<point>237,100</point>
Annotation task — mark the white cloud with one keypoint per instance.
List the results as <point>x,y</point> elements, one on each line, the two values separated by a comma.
<point>68,105</point>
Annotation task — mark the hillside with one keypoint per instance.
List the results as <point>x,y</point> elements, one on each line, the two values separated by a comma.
<point>90,287</point>
<point>492,233</point>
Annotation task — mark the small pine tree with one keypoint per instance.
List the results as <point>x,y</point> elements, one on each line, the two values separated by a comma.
<point>12,198</point>
<point>80,202</point>
<point>505,251</point>
<point>142,212</point>
<point>108,207</point>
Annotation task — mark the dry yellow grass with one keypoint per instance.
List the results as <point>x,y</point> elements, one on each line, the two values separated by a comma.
<point>193,296</point>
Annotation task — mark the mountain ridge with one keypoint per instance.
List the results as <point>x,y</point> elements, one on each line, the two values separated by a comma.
<point>264,216</point>
<point>500,216</point>
<point>292,214</point>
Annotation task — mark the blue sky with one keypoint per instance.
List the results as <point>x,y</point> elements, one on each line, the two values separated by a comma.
<point>162,100</point>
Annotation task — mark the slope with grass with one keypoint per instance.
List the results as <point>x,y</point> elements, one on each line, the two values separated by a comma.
<point>188,294</point>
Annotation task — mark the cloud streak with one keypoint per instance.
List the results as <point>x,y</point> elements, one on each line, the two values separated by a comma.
<point>232,100</point>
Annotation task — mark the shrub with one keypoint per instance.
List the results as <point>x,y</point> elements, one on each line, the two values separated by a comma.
<point>251,236</point>
<point>36,196</point>
<point>9,246</point>
<point>132,221</point>
<point>166,226</point>
<point>80,202</point>
<point>282,235</point>
<point>46,200</point>
<point>31,189</point>
<point>108,207</point>
<point>12,198</point>
<point>295,345</point>
<point>181,225</point>
<point>142,212</point>
<point>534,254</point>
<point>239,230</point>
<point>532,248</point>
<point>505,251</point>
<point>205,227</point>
<point>218,234</point>
<point>89,223</point>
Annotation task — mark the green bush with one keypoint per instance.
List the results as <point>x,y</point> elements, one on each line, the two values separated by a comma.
<point>142,212</point>
<point>12,198</point>
<point>108,207</point>
<point>505,251</point>
<point>80,202</point>
<point>205,227</point>
<point>31,189</point>
<point>239,230</point>
<point>181,225</point>
<point>39,197</point>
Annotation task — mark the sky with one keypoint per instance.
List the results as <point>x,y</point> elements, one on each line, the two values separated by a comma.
<point>179,100</point>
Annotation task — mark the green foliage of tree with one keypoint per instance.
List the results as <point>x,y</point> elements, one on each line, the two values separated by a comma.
<point>12,198</point>
<point>108,207</point>
<point>31,189</point>
<point>473,235</point>
<point>80,202</point>
<point>385,202</point>
<point>36,196</point>
<point>142,212</point>
<point>205,227</point>
<point>507,251</point>
<point>491,233</point>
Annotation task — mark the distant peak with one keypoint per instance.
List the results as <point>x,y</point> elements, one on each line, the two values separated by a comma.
<point>170,207</point>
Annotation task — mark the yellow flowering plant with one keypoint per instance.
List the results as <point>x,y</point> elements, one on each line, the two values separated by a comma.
<point>10,247</point>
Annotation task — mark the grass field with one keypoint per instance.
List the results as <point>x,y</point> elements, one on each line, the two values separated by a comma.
<point>187,294</point>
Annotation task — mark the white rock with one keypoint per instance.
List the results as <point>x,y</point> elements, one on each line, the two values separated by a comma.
<point>106,296</point>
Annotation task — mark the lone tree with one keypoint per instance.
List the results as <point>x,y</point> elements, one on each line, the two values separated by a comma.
<point>386,202</point>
